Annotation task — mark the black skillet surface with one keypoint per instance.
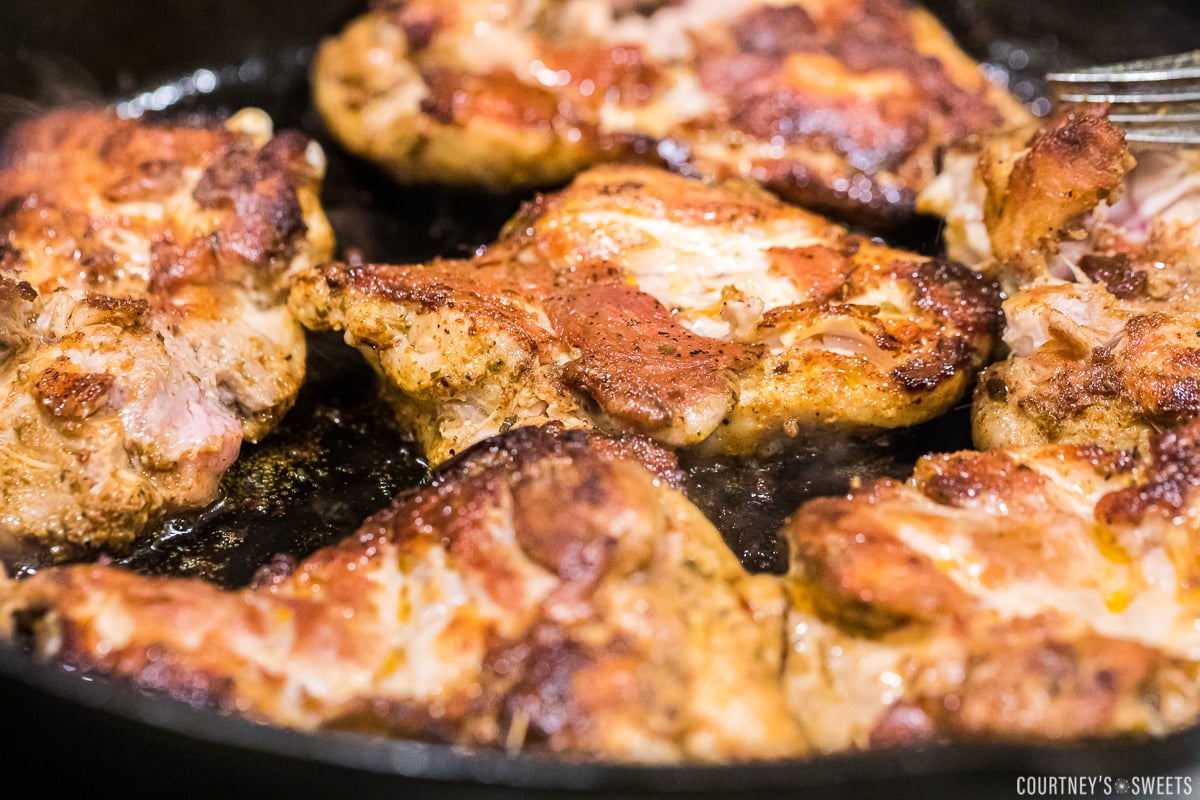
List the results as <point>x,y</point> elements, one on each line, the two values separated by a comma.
<point>336,459</point>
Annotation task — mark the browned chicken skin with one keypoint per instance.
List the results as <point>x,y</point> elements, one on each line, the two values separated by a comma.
<point>840,106</point>
<point>143,330</point>
<point>1028,595</point>
<point>548,591</point>
<point>1086,365</point>
<point>638,300</point>
<point>1098,249</point>
<point>1020,205</point>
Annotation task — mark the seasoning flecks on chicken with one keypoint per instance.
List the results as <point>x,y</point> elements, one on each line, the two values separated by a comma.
<point>1086,365</point>
<point>1029,595</point>
<point>547,591</point>
<point>1101,258</point>
<point>638,300</point>
<point>838,106</point>
<point>1027,204</point>
<point>144,331</point>
<point>1071,200</point>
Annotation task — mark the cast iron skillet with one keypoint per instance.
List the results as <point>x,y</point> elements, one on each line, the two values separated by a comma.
<point>336,459</point>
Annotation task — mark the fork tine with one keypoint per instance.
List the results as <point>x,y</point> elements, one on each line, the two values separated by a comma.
<point>1158,117</point>
<point>1181,94</point>
<point>1156,100</point>
<point>1180,66</point>
<point>1156,134</point>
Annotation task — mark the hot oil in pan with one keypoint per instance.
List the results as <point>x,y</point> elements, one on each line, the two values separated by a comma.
<point>748,499</point>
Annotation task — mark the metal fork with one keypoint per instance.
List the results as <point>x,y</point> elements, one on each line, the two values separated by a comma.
<point>1156,100</point>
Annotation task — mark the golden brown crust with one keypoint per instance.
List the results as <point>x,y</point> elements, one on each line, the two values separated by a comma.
<point>56,164</point>
<point>1087,366</point>
<point>1024,681</point>
<point>872,582</point>
<point>1030,595</point>
<point>842,107</point>
<point>1038,198</point>
<point>1117,274</point>
<point>1024,205</point>
<point>637,300</point>
<point>617,327</point>
<point>143,326</point>
<point>542,593</point>
<point>1175,459</point>
<point>72,395</point>
<point>1097,250</point>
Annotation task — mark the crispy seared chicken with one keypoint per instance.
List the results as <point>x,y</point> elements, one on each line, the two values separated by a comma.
<point>637,300</point>
<point>551,591</point>
<point>838,105</point>
<point>144,332</point>
<point>1102,258</point>
<point>548,591</point>
<point>1088,365</point>
<point>1028,595</point>
<point>1026,205</point>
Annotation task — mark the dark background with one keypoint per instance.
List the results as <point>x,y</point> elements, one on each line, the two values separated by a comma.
<point>67,734</point>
